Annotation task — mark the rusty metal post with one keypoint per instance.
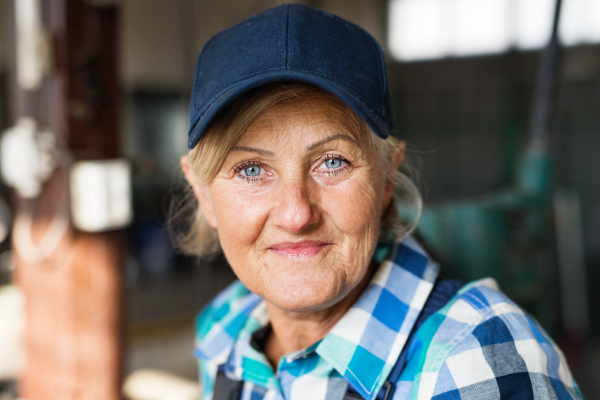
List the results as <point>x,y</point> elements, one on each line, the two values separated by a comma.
<point>74,300</point>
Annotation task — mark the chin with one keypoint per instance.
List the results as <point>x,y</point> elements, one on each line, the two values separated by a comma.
<point>302,295</point>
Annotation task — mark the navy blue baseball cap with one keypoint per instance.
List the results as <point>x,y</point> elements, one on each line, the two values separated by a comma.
<point>292,42</point>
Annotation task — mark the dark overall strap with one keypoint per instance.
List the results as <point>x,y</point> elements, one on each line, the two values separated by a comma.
<point>443,290</point>
<point>226,388</point>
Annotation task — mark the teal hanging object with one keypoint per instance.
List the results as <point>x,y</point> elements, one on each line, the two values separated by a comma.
<point>506,234</point>
<point>467,237</point>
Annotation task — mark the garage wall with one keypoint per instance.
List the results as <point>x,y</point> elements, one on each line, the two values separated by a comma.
<point>6,64</point>
<point>162,38</point>
<point>5,35</point>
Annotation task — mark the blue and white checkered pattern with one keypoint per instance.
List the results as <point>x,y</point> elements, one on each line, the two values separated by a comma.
<point>479,346</point>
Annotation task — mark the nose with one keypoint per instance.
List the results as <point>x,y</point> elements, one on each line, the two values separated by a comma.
<point>294,211</point>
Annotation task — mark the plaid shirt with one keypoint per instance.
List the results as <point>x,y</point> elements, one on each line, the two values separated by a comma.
<point>479,346</point>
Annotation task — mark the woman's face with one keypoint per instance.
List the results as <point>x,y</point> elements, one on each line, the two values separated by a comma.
<point>297,206</point>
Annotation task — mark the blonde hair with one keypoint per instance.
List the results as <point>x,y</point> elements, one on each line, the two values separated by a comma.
<point>189,229</point>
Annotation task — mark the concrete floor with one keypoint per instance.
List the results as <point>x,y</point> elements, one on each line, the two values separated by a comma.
<point>160,326</point>
<point>586,370</point>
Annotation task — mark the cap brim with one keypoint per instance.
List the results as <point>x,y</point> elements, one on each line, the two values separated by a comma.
<point>228,95</point>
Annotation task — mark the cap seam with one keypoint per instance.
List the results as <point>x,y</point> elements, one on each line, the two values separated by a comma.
<point>287,36</point>
<point>379,52</point>
<point>383,78</point>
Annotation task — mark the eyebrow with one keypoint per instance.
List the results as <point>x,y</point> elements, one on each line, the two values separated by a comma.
<point>262,152</point>
<point>329,139</point>
<point>267,153</point>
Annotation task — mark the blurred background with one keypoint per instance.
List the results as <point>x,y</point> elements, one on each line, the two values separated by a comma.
<point>95,302</point>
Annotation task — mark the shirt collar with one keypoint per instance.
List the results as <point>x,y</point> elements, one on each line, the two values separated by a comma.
<point>365,344</point>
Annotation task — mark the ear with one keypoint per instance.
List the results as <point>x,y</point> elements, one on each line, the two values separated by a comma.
<point>200,191</point>
<point>397,158</point>
<point>398,154</point>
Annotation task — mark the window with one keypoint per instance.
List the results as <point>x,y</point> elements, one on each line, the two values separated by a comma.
<point>431,29</point>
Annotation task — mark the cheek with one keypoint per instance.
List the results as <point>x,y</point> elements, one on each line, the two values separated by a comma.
<point>239,219</point>
<point>353,206</point>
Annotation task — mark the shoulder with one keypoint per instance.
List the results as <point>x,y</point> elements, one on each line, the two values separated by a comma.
<point>222,310</point>
<point>483,343</point>
<point>213,332</point>
<point>231,314</point>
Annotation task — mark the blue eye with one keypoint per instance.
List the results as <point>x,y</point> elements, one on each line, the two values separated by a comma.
<point>333,163</point>
<point>252,171</point>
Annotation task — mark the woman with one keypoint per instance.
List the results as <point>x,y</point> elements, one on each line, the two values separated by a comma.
<point>297,181</point>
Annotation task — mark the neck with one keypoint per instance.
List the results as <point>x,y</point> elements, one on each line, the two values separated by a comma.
<point>293,331</point>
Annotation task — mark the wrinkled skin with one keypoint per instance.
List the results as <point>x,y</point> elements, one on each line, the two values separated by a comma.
<point>334,193</point>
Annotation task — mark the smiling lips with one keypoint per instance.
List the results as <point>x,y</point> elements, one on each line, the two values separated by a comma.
<point>302,249</point>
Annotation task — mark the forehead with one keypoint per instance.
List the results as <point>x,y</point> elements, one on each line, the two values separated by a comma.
<point>305,119</point>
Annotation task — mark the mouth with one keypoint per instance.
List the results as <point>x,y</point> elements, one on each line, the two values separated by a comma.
<point>298,250</point>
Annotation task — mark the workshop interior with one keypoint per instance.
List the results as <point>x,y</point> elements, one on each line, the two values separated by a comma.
<point>498,102</point>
